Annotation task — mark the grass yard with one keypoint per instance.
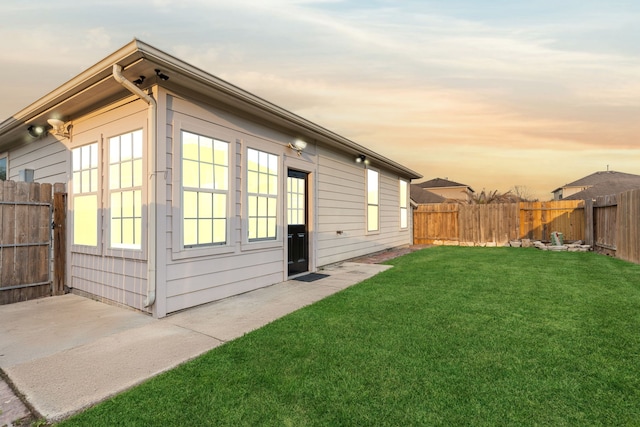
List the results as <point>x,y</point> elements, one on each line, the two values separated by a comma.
<point>450,336</point>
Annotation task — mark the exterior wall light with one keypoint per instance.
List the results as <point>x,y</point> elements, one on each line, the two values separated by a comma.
<point>35,131</point>
<point>362,159</point>
<point>60,128</point>
<point>298,145</point>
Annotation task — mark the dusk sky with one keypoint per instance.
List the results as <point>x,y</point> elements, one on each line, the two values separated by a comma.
<point>491,94</point>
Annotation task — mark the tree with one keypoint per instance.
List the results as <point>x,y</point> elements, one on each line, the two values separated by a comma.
<point>487,197</point>
<point>523,193</point>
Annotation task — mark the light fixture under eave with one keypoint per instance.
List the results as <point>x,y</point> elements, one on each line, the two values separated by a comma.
<point>35,131</point>
<point>161,75</point>
<point>298,145</point>
<point>59,128</point>
<point>362,159</point>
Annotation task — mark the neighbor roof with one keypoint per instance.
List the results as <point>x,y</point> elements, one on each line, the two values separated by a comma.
<point>441,183</point>
<point>617,184</point>
<point>601,177</point>
<point>96,87</point>
<point>420,196</point>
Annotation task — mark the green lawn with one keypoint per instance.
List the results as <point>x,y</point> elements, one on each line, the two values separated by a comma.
<point>449,336</point>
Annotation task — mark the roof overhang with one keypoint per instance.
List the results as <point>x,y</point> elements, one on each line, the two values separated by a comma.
<point>96,87</point>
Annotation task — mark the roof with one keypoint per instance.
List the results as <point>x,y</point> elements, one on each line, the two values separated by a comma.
<point>600,178</point>
<point>421,196</point>
<point>614,186</point>
<point>442,183</point>
<point>96,87</point>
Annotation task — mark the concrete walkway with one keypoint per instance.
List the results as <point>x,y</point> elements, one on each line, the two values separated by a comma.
<point>67,353</point>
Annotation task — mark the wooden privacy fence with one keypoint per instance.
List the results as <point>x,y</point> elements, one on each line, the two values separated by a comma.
<point>28,213</point>
<point>455,223</point>
<point>613,225</point>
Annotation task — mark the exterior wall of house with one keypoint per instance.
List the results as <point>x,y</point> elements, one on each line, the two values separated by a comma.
<point>337,189</point>
<point>46,156</point>
<point>115,275</point>
<point>342,210</point>
<point>569,191</point>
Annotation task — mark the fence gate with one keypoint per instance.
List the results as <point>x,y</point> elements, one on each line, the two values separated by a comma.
<point>26,219</point>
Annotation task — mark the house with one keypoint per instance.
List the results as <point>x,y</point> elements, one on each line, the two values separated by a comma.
<point>420,196</point>
<point>597,184</point>
<point>185,189</point>
<point>448,189</point>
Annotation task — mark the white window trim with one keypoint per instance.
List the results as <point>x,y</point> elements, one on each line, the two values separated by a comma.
<point>121,252</point>
<point>367,204</point>
<point>246,244</point>
<point>5,156</point>
<point>406,207</point>
<point>92,250</point>
<point>189,124</point>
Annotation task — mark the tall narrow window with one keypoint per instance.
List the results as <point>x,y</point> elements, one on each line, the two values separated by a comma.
<point>404,205</point>
<point>3,167</point>
<point>205,188</point>
<point>84,163</point>
<point>262,194</point>
<point>125,188</point>
<point>372,201</point>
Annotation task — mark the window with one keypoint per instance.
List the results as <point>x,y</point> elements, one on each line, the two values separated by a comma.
<point>3,167</point>
<point>84,163</point>
<point>372,200</point>
<point>404,207</point>
<point>262,194</point>
<point>125,188</point>
<point>205,187</point>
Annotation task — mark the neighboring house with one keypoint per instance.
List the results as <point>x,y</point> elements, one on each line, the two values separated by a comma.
<point>184,189</point>
<point>448,189</point>
<point>420,196</point>
<point>597,184</point>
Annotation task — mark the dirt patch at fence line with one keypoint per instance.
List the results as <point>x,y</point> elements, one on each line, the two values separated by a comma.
<point>379,257</point>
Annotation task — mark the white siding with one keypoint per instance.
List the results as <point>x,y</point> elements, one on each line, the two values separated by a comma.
<point>199,276</point>
<point>342,204</point>
<point>108,275</point>
<point>48,157</point>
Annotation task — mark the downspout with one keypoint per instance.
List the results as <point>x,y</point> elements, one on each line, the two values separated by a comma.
<point>151,143</point>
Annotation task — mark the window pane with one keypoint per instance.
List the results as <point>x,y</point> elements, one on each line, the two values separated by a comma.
<point>126,174</point>
<point>127,232</point>
<point>372,186</point>
<point>262,228</point>
<point>219,230</point>
<point>403,218</point>
<point>219,205</point>
<point>205,205</point>
<point>86,181</point>
<point>76,182</point>
<point>252,160</point>
<point>403,194</point>
<point>205,231</point>
<point>137,202</point>
<point>206,176</point>
<point>94,155</point>
<point>190,232</point>
<point>263,162</point>
<point>116,231</point>
<point>137,173</point>
<point>189,146</point>
<point>94,180</point>
<point>262,206</point>
<point>206,150</point>
<point>221,153</point>
<point>126,152</point>
<point>271,227</point>
<point>190,204</point>
<point>85,161</point>
<point>127,204</point>
<point>221,179</point>
<point>138,234</point>
<point>252,182</point>
<point>137,144</point>
<point>75,159</point>
<point>114,150</point>
<point>116,205</point>
<point>253,206</point>
<point>372,218</point>
<point>271,204</point>
<point>114,176</point>
<point>273,185</point>
<point>85,220</point>
<point>190,174</point>
<point>253,228</point>
<point>273,164</point>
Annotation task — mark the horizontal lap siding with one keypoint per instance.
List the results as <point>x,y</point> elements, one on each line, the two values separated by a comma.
<point>342,208</point>
<point>119,280</point>
<point>47,157</point>
<point>198,280</point>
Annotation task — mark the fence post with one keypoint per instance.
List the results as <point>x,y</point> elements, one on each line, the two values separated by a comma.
<point>59,239</point>
<point>588,222</point>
